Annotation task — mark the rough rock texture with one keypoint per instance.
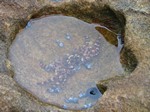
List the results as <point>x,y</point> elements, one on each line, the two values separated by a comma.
<point>12,98</point>
<point>124,94</point>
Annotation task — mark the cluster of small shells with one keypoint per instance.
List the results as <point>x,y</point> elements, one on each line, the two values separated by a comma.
<point>70,64</point>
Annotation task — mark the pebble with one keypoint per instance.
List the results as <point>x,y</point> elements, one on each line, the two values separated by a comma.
<point>60,44</point>
<point>87,105</point>
<point>88,65</point>
<point>47,68</point>
<point>68,36</point>
<point>82,95</point>
<point>72,100</point>
<point>53,90</point>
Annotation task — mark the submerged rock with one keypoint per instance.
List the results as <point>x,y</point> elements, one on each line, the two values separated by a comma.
<point>60,58</point>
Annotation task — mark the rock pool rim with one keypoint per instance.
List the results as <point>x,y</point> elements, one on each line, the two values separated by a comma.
<point>95,44</point>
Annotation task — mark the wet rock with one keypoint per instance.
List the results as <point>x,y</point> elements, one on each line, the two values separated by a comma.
<point>127,94</point>
<point>13,98</point>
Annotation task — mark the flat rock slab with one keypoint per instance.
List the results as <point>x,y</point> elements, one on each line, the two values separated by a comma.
<point>60,59</point>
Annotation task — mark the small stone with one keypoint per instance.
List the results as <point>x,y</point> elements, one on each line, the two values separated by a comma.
<point>77,68</point>
<point>72,100</point>
<point>60,44</point>
<point>87,105</point>
<point>47,68</point>
<point>68,37</point>
<point>50,90</point>
<point>86,37</point>
<point>82,95</point>
<point>88,65</point>
<point>53,90</point>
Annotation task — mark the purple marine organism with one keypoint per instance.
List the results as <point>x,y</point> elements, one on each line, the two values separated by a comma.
<point>70,64</point>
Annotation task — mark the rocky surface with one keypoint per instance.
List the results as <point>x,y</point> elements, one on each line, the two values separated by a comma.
<point>124,94</point>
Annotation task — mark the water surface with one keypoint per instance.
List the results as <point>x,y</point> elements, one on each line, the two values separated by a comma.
<point>60,59</point>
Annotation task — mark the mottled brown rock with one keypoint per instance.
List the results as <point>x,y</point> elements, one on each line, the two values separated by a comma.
<point>126,94</point>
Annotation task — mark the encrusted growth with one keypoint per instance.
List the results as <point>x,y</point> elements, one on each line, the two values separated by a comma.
<point>70,64</point>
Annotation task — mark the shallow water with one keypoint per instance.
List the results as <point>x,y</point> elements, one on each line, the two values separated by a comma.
<point>60,59</point>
